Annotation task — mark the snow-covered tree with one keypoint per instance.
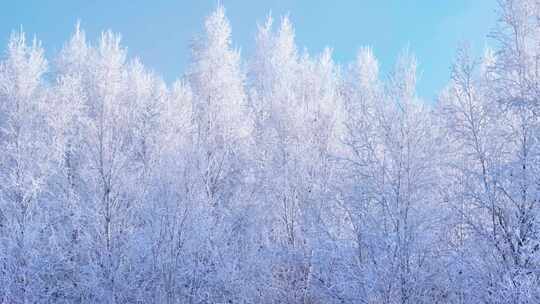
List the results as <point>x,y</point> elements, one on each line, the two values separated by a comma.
<point>221,142</point>
<point>26,163</point>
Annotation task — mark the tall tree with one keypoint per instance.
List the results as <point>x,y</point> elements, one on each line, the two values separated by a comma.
<point>26,163</point>
<point>221,141</point>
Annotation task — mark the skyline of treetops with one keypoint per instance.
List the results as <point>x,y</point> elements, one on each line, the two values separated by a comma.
<point>278,177</point>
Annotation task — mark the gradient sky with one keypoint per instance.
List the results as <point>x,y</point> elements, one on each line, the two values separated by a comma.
<point>159,31</point>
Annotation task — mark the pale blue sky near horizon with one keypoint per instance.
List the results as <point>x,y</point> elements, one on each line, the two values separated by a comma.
<point>159,31</point>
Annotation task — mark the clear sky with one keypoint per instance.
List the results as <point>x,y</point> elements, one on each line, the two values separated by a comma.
<point>159,31</point>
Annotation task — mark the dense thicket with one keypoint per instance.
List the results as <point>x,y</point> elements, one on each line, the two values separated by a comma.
<point>283,178</point>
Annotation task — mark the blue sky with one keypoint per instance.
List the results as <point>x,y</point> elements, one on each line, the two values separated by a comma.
<point>159,31</point>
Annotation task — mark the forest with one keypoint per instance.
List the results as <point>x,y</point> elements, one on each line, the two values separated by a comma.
<point>283,177</point>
